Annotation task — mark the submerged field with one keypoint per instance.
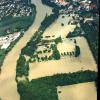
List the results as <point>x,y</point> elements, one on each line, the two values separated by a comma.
<point>66,64</point>
<point>51,59</point>
<point>45,62</point>
<point>83,91</point>
<point>60,27</point>
<point>50,84</point>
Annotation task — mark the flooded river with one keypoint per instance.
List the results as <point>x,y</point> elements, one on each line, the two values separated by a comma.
<point>8,85</point>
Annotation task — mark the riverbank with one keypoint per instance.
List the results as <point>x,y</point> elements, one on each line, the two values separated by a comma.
<point>14,24</point>
<point>60,72</point>
<point>7,77</point>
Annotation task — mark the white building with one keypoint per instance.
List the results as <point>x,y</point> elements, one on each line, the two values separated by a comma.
<point>5,41</point>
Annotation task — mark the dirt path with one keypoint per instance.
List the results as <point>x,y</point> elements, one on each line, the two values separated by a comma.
<point>8,85</point>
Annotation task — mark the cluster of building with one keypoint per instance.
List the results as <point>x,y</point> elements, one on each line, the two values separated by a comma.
<point>76,4</point>
<point>25,2</point>
<point>87,5</point>
<point>15,8</point>
<point>4,2</point>
<point>5,41</point>
<point>60,2</point>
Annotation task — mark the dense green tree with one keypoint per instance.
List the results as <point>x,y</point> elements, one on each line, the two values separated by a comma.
<point>45,88</point>
<point>22,68</point>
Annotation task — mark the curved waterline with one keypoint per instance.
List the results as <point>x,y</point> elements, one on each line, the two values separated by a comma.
<point>8,85</point>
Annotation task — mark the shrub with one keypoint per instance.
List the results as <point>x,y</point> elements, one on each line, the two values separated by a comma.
<point>56,54</point>
<point>77,51</point>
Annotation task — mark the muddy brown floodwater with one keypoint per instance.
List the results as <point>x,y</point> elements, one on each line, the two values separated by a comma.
<point>8,85</point>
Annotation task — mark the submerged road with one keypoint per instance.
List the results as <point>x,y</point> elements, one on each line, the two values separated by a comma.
<point>8,85</point>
